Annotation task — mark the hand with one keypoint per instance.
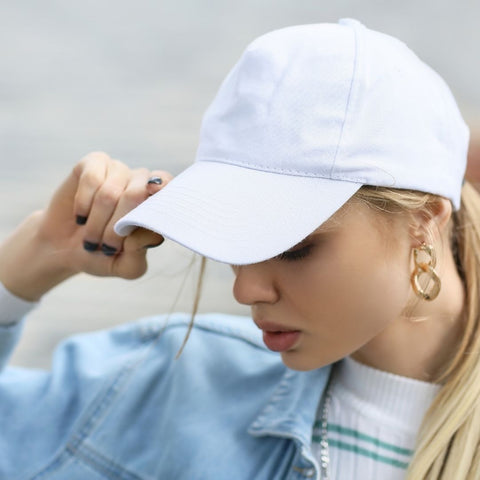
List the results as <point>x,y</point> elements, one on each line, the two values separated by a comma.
<point>75,233</point>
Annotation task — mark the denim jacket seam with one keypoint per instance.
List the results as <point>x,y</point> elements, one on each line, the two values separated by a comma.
<point>89,457</point>
<point>102,464</point>
<point>88,421</point>
<point>59,461</point>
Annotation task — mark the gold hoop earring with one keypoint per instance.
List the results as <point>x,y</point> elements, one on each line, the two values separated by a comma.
<point>425,268</point>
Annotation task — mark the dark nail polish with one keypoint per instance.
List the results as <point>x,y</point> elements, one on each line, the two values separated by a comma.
<point>108,250</point>
<point>90,246</point>
<point>81,220</point>
<point>155,181</point>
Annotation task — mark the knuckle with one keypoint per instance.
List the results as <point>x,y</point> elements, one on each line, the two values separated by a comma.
<point>108,195</point>
<point>90,159</point>
<point>97,156</point>
<point>90,179</point>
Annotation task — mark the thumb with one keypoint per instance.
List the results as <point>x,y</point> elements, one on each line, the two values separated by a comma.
<point>141,239</point>
<point>132,262</point>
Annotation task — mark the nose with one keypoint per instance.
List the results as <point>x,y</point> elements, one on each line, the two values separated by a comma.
<point>254,284</point>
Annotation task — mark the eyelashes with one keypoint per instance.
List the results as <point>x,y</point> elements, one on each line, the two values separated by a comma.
<point>297,254</point>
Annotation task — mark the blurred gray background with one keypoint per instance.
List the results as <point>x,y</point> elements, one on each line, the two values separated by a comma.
<point>132,79</point>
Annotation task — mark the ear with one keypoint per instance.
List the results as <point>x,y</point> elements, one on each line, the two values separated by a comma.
<point>430,225</point>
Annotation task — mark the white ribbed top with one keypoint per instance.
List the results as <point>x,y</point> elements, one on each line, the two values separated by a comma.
<point>373,420</point>
<point>398,401</point>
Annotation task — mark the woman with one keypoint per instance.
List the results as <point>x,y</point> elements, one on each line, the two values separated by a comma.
<point>330,176</point>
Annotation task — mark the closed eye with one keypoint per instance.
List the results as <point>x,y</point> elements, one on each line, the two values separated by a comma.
<point>296,254</point>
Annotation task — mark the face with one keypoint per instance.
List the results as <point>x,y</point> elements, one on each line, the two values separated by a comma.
<point>332,293</point>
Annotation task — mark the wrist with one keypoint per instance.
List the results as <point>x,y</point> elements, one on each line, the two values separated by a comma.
<point>29,264</point>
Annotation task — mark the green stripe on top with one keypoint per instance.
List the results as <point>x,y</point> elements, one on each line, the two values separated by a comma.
<point>366,438</point>
<point>367,453</point>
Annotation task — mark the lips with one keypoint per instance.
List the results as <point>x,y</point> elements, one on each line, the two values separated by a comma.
<point>272,327</point>
<point>277,337</point>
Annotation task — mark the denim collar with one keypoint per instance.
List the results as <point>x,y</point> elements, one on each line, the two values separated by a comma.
<point>291,410</point>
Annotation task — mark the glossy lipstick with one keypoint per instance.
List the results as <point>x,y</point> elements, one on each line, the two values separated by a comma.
<point>278,338</point>
<point>280,341</point>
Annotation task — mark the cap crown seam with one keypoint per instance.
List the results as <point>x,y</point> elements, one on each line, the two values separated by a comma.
<point>347,107</point>
<point>300,173</point>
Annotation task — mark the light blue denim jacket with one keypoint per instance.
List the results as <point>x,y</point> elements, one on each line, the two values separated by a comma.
<point>116,405</point>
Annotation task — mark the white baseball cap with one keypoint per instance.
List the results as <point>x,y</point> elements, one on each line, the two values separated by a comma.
<point>307,116</point>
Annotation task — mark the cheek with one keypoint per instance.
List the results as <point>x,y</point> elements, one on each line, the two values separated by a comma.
<point>375,297</point>
<point>365,280</point>
<point>346,306</point>
<point>354,301</point>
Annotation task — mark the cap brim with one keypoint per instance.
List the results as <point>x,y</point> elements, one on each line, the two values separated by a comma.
<point>238,215</point>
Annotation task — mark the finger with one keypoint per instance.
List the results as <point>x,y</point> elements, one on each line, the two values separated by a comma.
<point>90,172</point>
<point>105,203</point>
<point>134,194</point>
<point>132,262</point>
<point>157,180</point>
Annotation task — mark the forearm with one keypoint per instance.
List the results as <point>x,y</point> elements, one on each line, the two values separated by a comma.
<point>29,265</point>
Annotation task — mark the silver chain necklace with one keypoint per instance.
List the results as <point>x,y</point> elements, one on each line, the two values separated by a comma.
<point>324,451</point>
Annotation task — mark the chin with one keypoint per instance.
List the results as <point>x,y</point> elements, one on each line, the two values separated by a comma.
<point>301,362</point>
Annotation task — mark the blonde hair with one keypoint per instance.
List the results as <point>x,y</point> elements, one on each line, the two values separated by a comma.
<point>448,442</point>
<point>196,303</point>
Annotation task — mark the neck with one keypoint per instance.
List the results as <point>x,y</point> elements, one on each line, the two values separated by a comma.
<point>421,342</point>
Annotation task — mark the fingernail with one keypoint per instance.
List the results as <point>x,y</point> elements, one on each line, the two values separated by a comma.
<point>155,181</point>
<point>155,245</point>
<point>108,250</point>
<point>81,220</point>
<point>90,246</point>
